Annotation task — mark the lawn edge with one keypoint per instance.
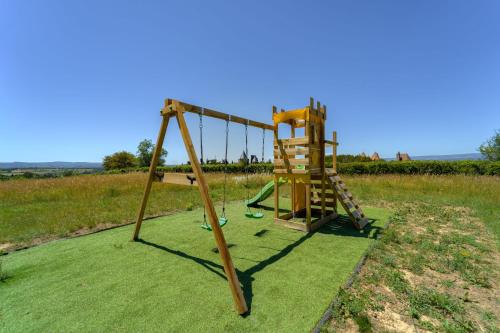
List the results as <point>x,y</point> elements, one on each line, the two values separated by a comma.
<point>79,233</point>
<point>328,313</point>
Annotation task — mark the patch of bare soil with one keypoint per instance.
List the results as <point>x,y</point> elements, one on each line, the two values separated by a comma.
<point>435,270</point>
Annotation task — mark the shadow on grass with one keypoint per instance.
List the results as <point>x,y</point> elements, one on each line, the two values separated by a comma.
<point>282,210</point>
<point>340,226</point>
<point>210,265</point>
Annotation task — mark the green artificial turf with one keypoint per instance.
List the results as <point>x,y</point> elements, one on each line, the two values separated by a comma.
<point>172,280</point>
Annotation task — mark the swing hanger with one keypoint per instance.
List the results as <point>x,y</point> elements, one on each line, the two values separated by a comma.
<point>222,220</point>
<point>248,212</point>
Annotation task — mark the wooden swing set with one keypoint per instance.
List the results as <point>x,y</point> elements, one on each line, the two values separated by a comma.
<point>300,160</point>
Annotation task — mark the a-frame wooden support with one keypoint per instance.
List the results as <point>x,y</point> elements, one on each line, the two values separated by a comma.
<point>169,111</point>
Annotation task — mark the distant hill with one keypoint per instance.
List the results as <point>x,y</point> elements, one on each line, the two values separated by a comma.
<point>453,157</point>
<point>50,165</point>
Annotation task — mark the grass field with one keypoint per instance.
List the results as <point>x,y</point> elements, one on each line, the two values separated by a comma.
<point>173,280</point>
<point>447,225</point>
<point>33,211</point>
<point>436,268</point>
<point>36,210</point>
<point>479,193</point>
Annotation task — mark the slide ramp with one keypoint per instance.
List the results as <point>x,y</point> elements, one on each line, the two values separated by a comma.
<point>264,193</point>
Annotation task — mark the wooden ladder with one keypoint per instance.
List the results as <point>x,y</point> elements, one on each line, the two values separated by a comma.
<point>346,199</point>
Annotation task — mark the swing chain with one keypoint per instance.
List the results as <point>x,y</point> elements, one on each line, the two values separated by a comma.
<point>201,159</point>
<point>225,169</point>
<point>247,160</point>
<point>201,134</point>
<point>263,141</point>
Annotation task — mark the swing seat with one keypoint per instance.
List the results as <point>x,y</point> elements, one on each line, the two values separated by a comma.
<point>257,215</point>
<point>222,222</point>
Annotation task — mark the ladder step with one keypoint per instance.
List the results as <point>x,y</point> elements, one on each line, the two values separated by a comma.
<point>351,206</point>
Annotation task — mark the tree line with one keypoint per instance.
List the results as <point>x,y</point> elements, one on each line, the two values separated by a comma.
<point>126,160</point>
<point>142,158</point>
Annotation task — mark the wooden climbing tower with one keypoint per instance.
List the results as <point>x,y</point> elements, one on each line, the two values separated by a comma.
<point>314,189</point>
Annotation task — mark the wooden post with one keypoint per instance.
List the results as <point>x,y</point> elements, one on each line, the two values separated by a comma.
<point>308,206</point>
<point>293,183</point>
<point>334,163</point>
<point>234,283</point>
<point>334,154</point>
<point>276,196</point>
<point>310,135</point>
<point>276,177</point>
<point>152,169</point>
<point>323,171</point>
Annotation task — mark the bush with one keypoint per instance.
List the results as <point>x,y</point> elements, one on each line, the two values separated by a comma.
<point>119,160</point>
<point>348,158</point>
<point>356,168</point>
<point>491,148</point>
<point>421,168</point>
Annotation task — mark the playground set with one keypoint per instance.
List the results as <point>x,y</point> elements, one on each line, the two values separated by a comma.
<point>299,161</point>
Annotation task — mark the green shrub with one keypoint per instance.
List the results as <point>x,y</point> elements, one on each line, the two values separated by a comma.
<point>357,168</point>
<point>119,160</point>
<point>421,167</point>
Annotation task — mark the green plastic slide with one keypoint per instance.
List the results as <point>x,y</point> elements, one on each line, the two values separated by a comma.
<point>264,193</point>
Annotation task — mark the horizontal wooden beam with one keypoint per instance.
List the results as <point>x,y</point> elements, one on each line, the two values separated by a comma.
<point>293,151</point>
<point>175,105</point>
<point>291,161</point>
<point>331,143</point>
<point>291,171</point>
<point>304,140</point>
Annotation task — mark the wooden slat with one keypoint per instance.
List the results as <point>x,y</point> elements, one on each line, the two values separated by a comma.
<point>357,214</point>
<point>292,141</point>
<point>326,195</point>
<point>317,201</point>
<point>291,224</point>
<point>330,172</point>
<point>319,190</point>
<point>292,171</point>
<point>350,204</point>
<point>291,161</point>
<point>293,151</point>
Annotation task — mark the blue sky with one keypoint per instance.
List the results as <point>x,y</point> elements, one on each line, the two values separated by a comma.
<point>83,79</point>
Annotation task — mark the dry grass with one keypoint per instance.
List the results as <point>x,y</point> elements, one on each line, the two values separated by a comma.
<point>480,193</point>
<point>35,210</point>
<point>435,270</point>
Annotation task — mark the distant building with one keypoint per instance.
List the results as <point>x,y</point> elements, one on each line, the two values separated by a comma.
<point>375,157</point>
<point>243,158</point>
<point>402,157</point>
<point>362,154</point>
